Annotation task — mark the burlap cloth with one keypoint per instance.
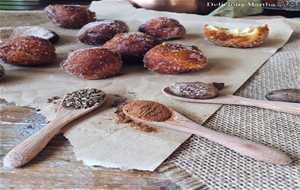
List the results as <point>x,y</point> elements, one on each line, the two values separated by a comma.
<point>201,164</point>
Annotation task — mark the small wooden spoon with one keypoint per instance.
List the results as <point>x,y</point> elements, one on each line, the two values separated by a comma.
<point>242,146</point>
<point>28,149</point>
<point>293,108</point>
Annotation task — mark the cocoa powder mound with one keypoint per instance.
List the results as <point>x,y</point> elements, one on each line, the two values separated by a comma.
<point>122,118</point>
<point>147,110</point>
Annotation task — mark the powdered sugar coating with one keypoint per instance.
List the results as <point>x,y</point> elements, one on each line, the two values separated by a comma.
<point>99,32</point>
<point>92,63</point>
<point>69,16</point>
<point>132,45</point>
<point>27,51</point>
<point>163,28</point>
<point>174,58</point>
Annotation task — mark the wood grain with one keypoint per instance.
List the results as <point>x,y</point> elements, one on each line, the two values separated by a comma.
<point>56,166</point>
<point>286,107</point>
<point>243,146</point>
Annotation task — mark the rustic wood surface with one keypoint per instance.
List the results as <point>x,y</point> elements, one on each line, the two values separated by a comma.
<point>56,167</point>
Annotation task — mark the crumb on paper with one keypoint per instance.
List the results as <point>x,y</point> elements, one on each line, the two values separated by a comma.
<point>49,100</point>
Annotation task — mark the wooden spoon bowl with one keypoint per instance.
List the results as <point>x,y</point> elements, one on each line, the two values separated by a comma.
<point>242,146</point>
<point>286,107</point>
<point>28,149</point>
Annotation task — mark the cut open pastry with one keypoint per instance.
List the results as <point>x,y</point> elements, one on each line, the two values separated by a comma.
<point>240,38</point>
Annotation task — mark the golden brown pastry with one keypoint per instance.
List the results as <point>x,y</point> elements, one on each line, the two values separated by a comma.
<point>132,46</point>
<point>27,51</point>
<point>2,72</point>
<point>174,58</point>
<point>69,16</point>
<point>239,38</point>
<point>92,63</point>
<point>163,28</point>
<point>99,32</point>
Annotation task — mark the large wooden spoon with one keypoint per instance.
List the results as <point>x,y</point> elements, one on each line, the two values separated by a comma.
<point>28,149</point>
<point>293,108</point>
<point>242,146</point>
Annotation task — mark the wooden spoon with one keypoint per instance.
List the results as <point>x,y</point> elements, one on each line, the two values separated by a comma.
<point>242,146</point>
<point>293,108</point>
<point>29,148</point>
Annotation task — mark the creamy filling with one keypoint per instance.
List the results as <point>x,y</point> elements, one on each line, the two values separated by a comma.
<point>238,31</point>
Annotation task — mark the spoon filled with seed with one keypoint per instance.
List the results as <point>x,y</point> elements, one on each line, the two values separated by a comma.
<point>200,92</point>
<point>153,113</point>
<point>73,106</point>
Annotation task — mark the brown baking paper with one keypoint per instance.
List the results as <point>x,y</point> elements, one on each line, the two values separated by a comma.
<point>96,137</point>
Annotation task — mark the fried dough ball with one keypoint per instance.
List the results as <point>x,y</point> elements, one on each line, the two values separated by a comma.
<point>174,58</point>
<point>99,32</point>
<point>132,46</point>
<point>239,38</point>
<point>69,16</point>
<point>163,28</point>
<point>92,63</point>
<point>27,51</point>
<point>2,72</point>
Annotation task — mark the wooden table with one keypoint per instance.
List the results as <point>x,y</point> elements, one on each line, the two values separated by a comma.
<point>56,167</point>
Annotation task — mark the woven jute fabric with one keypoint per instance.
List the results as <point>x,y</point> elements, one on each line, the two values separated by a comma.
<point>22,18</point>
<point>201,164</point>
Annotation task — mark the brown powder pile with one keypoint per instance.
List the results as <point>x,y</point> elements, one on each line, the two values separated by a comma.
<point>122,118</point>
<point>147,110</point>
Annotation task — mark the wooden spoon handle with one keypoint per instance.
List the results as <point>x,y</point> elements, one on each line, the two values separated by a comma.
<point>286,107</point>
<point>28,149</point>
<point>243,146</point>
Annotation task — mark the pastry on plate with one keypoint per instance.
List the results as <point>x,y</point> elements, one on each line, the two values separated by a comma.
<point>239,38</point>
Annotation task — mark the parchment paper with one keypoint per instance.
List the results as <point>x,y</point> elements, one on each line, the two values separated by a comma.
<point>96,137</point>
